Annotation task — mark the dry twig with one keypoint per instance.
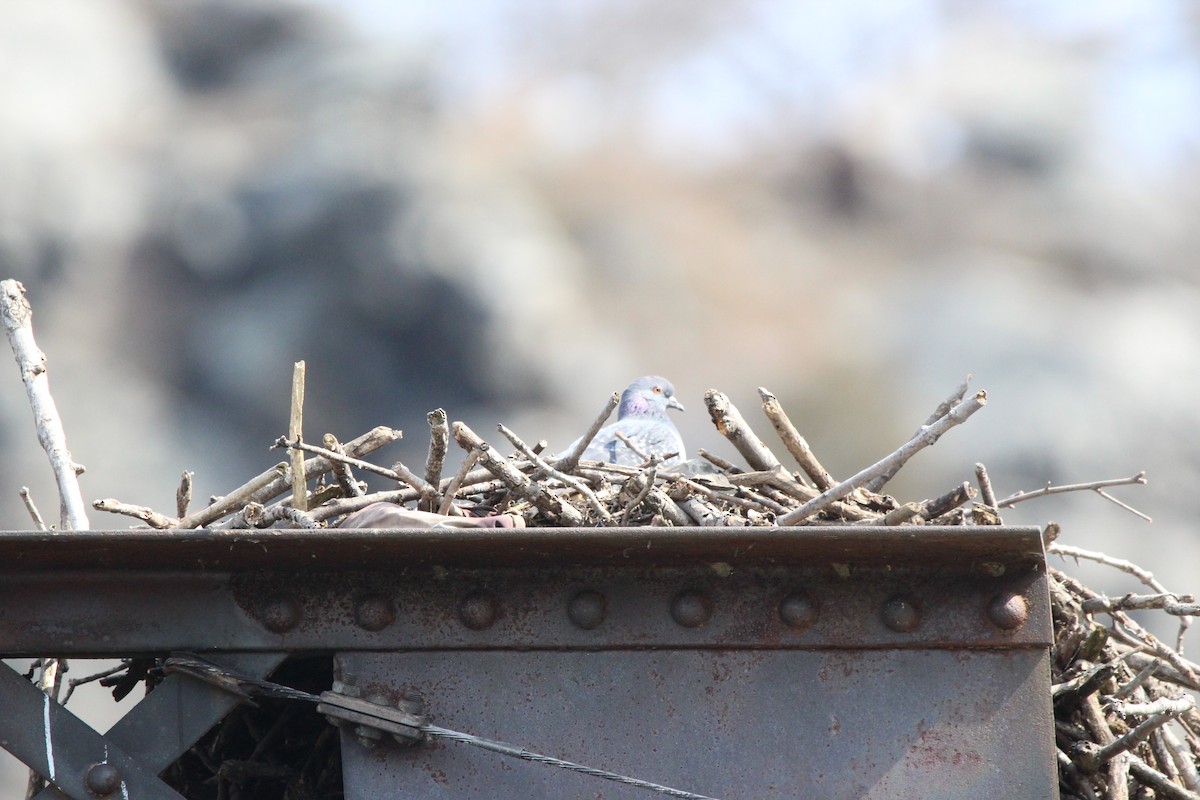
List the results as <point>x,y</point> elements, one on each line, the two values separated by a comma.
<point>796,444</point>
<point>927,436</point>
<point>568,462</point>
<point>17,316</point>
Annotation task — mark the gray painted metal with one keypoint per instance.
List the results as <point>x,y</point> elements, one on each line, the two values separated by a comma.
<point>730,724</point>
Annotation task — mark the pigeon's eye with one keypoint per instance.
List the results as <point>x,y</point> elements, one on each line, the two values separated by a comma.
<point>658,390</point>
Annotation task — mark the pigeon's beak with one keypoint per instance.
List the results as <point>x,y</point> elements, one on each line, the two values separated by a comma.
<point>673,403</point>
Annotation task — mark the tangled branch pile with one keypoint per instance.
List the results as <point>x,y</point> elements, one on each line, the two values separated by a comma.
<point>536,490</point>
<point>1121,700</point>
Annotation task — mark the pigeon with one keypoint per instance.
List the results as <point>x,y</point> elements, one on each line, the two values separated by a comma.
<point>642,419</point>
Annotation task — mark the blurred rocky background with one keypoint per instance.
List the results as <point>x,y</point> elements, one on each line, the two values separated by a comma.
<point>511,208</point>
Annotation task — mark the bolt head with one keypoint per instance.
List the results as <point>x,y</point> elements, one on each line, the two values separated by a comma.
<point>102,779</point>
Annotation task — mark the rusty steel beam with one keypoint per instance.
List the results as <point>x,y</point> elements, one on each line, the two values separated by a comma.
<point>834,662</point>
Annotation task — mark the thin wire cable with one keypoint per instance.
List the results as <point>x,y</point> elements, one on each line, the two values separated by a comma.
<point>550,761</point>
<point>243,686</point>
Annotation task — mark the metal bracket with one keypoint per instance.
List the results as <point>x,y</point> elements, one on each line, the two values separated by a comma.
<point>84,765</point>
<point>342,706</point>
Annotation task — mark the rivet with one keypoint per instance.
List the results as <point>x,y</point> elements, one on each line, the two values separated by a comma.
<point>798,610</point>
<point>691,609</point>
<point>102,779</point>
<point>587,609</point>
<point>901,614</point>
<point>280,614</point>
<point>374,612</point>
<point>478,611</point>
<point>1008,611</point>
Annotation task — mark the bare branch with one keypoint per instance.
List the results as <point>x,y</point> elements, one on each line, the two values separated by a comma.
<point>399,473</point>
<point>1021,497</point>
<point>571,460</point>
<point>342,473</point>
<point>17,316</point>
<point>926,437</point>
<point>514,478</point>
<point>637,451</point>
<point>1125,506</point>
<point>717,461</point>
<point>986,493</point>
<point>147,515</point>
<point>569,480</point>
<point>877,483</point>
<point>1143,575</point>
<point>796,444</point>
<point>733,427</point>
<point>360,446</point>
<point>1170,603</point>
<point>439,445</point>
<point>237,498</point>
<point>38,522</point>
<point>451,489</point>
<point>296,434</point>
<point>183,495</point>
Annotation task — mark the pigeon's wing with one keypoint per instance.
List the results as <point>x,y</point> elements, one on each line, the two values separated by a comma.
<point>651,436</point>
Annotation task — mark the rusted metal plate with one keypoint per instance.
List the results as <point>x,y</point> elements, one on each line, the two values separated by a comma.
<point>198,551</point>
<point>793,588</point>
<point>725,724</point>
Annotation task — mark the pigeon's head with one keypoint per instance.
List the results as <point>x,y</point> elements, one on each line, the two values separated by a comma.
<point>648,396</point>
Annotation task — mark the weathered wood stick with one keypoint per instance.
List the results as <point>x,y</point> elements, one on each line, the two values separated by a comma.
<point>718,462</point>
<point>183,495</point>
<point>926,437</point>
<point>733,427</point>
<point>571,460</point>
<point>369,442</point>
<point>296,434</point>
<point>342,472</point>
<point>35,515</point>
<point>246,493</point>
<point>544,468</point>
<point>516,480</point>
<point>439,445</point>
<point>668,508</point>
<point>17,316</point>
<point>932,509</point>
<point>896,516</point>
<point>450,488</point>
<point>147,515</point>
<point>398,472</point>
<point>349,505</point>
<point>796,444</point>
<point>945,407</point>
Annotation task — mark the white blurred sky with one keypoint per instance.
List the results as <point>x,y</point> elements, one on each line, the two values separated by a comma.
<point>810,57</point>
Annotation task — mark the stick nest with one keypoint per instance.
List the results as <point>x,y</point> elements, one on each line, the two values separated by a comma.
<point>1124,708</point>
